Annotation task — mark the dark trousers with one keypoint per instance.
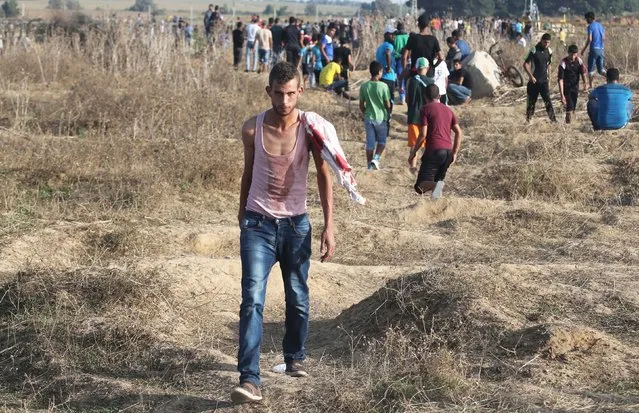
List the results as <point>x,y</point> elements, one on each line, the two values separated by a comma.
<point>534,90</point>
<point>237,56</point>
<point>391,86</point>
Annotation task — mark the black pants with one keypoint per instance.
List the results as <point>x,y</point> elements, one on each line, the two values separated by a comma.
<point>391,86</point>
<point>434,166</point>
<point>237,56</point>
<point>292,56</point>
<point>317,76</point>
<point>571,98</point>
<point>534,90</point>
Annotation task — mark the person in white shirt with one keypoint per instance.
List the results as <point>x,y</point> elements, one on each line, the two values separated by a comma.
<point>251,45</point>
<point>440,77</point>
<point>521,40</point>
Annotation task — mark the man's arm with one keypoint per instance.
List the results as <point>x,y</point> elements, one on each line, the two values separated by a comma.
<point>325,185</point>
<point>587,43</point>
<point>362,102</point>
<point>561,90</point>
<point>389,61</point>
<point>248,140</point>
<point>528,72</point>
<point>323,49</point>
<point>457,142</point>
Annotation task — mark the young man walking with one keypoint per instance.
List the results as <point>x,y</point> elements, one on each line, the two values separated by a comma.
<point>537,65</point>
<point>437,121</point>
<point>385,55</point>
<point>596,39</point>
<point>275,226</point>
<point>417,85</point>
<point>570,70</point>
<point>374,102</point>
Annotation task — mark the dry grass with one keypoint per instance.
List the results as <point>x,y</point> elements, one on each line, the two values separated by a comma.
<point>119,173</point>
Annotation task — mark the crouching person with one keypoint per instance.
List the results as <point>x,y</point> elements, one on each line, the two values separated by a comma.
<point>436,123</point>
<point>610,105</point>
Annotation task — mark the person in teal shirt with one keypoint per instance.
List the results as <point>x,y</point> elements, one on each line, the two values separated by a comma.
<point>385,56</point>
<point>374,102</point>
<point>317,59</point>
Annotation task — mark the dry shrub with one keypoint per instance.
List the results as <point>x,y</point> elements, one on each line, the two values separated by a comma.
<point>626,175</point>
<point>58,327</point>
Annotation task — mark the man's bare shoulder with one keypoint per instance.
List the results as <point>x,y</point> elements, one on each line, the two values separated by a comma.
<point>248,130</point>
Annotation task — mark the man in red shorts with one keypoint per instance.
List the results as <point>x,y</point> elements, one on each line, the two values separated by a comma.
<point>436,123</point>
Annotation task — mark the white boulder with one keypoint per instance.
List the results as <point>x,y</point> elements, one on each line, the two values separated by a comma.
<point>484,71</point>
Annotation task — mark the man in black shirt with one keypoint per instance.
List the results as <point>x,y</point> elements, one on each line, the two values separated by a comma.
<point>293,41</point>
<point>421,44</point>
<point>277,32</point>
<point>537,65</point>
<point>344,52</point>
<point>238,44</point>
<point>571,69</point>
<point>460,85</point>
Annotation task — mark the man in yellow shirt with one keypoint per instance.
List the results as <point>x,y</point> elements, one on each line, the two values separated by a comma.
<point>330,76</point>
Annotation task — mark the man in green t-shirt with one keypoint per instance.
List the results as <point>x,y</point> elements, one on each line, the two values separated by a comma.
<point>401,39</point>
<point>374,102</point>
<point>415,99</point>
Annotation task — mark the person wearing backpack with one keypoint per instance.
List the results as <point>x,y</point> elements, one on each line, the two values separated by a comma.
<point>537,66</point>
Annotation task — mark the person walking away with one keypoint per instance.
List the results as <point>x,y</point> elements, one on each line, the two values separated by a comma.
<point>596,39</point>
<point>317,58</point>
<point>326,44</point>
<point>251,30</point>
<point>401,38</point>
<point>374,102</point>
<point>460,85</point>
<point>264,47</point>
<point>277,32</point>
<point>461,44</point>
<point>292,41</point>
<point>610,105</point>
<point>385,56</point>
<point>436,123</point>
<point>346,55</point>
<point>570,70</point>
<point>208,24</point>
<point>274,226</point>
<point>537,65</point>
<point>238,44</point>
<point>416,92</point>
<point>421,44</point>
<point>306,56</point>
<point>440,78</point>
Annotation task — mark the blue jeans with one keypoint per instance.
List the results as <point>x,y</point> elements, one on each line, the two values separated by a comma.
<point>458,94</point>
<point>338,86</point>
<point>263,242</point>
<point>596,58</point>
<point>251,47</point>
<point>376,133</point>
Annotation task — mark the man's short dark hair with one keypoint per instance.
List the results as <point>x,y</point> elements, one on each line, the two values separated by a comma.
<point>546,36</point>
<point>291,20</point>
<point>455,61</point>
<point>277,20</point>
<point>283,72</point>
<point>590,15</point>
<point>449,40</point>
<point>375,67</point>
<point>238,25</point>
<point>456,33</point>
<point>612,74</point>
<point>573,48</point>
<point>331,26</point>
<point>432,92</point>
<point>337,59</point>
<point>422,21</point>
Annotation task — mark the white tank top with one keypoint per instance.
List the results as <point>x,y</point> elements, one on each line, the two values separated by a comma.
<point>279,184</point>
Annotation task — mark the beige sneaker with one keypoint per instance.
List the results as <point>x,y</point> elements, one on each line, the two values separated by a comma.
<point>246,392</point>
<point>296,369</point>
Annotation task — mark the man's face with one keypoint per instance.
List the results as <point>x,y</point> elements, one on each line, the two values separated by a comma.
<point>457,66</point>
<point>573,56</point>
<point>545,43</point>
<point>284,96</point>
<point>331,32</point>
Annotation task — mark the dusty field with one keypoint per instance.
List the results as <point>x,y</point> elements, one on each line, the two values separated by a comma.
<point>120,269</point>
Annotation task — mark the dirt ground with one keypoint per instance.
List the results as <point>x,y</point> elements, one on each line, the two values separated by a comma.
<point>518,291</point>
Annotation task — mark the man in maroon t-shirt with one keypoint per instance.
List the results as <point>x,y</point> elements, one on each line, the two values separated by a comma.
<point>436,123</point>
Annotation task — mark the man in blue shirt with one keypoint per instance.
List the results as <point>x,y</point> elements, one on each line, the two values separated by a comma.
<point>596,39</point>
<point>385,56</point>
<point>461,44</point>
<point>610,105</point>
